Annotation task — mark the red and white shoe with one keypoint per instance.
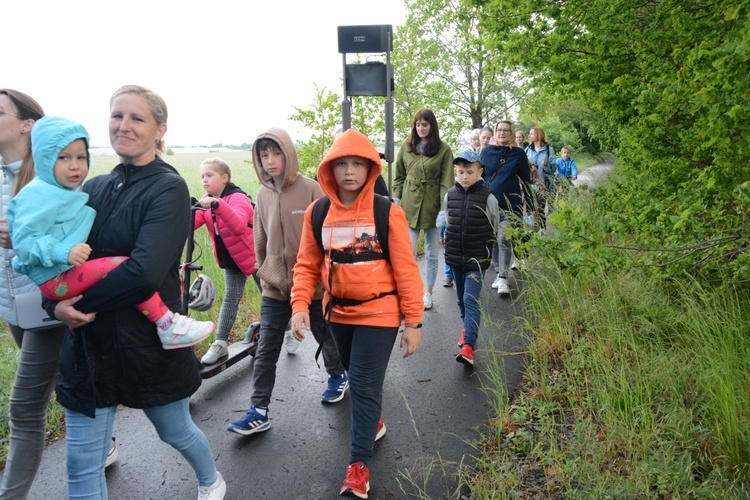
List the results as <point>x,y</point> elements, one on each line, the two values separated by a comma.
<point>381,429</point>
<point>461,337</point>
<point>357,482</point>
<point>466,356</point>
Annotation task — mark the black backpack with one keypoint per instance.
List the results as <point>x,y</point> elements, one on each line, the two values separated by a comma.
<point>382,209</point>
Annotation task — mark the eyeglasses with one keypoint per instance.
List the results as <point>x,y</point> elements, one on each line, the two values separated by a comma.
<point>504,130</point>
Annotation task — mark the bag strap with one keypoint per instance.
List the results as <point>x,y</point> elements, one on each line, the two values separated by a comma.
<point>499,166</point>
<point>411,164</point>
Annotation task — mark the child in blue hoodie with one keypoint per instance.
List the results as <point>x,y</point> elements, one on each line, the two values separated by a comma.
<point>49,223</point>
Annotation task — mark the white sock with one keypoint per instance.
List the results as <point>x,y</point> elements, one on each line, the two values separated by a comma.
<point>261,411</point>
<point>165,320</point>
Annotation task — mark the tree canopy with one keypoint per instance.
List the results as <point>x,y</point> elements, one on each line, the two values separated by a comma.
<point>668,81</point>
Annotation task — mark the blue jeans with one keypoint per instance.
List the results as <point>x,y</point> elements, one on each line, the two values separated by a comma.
<point>274,316</point>
<point>88,440</point>
<point>32,389</point>
<point>431,249</point>
<point>364,352</point>
<point>502,251</point>
<point>468,288</point>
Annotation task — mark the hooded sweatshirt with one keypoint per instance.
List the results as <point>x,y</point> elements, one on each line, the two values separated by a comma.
<point>349,230</point>
<point>279,217</point>
<point>45,218</point>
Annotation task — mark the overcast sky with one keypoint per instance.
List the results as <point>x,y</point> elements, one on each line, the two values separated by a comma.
<point>227,70</point>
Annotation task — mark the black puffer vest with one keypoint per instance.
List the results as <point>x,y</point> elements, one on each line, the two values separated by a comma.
<point>469,235</point>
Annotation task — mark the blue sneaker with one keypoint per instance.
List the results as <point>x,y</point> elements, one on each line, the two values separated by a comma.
<point>337,387</point>
<point>251,423</point>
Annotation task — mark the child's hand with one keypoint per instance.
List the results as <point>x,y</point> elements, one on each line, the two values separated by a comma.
<point>4,234</point>
<point>411,338</point>
<point>300,324</point>
<point>206,202</point>
<point>79,254</point>
<point>441,220</point>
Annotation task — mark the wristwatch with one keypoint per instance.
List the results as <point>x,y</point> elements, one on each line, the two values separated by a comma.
<point>418,325</point>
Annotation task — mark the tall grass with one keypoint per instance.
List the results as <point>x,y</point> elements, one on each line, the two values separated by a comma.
<point>188,165</point>
<point>633,390</point>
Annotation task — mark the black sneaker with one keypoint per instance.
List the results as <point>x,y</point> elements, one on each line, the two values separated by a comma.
<point>448,282</point>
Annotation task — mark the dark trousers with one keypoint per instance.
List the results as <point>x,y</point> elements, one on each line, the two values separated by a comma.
<point>274,316</point>
<point>364,352</point>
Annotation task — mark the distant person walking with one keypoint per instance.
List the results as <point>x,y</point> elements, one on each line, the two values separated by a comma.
<point>424,174</point>
<point>506,169</point>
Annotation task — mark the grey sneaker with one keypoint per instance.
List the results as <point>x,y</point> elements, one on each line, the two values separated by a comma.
<point>217,351</point>
<point>502,286</point>
<point>112,454</point>
<point>290,343</point>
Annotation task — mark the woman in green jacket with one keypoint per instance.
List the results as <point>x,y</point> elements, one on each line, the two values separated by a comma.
<point>424,173</point>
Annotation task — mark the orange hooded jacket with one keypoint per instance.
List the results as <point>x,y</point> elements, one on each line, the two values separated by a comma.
<point>350,230</point>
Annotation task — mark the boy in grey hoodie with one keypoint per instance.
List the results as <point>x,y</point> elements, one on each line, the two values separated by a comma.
<point>280,208</point>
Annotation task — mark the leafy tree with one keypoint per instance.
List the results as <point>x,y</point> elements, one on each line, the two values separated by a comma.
<point>668,79</point>
<point>323,119</point>
<point>442,62</point>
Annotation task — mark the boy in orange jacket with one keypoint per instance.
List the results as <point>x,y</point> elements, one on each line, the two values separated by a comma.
<point>365,300</point>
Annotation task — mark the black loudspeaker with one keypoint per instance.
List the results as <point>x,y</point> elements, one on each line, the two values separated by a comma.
<point>361,39</point>
<point>368,79</point>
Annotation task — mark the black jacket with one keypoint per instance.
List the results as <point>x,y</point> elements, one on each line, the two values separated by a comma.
<point>469,234</point>
<point>144,213</point>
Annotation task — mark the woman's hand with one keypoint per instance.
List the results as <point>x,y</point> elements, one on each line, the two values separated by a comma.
<point>300,324</point>
<point>411,338</point>
<point>65,312</point>
<point>4,234</point>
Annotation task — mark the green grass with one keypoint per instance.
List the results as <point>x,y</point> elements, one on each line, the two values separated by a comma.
<point>188,165</point>
<point>632,389</point>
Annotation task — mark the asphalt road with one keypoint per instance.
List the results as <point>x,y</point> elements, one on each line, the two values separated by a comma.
<point>434,408</point>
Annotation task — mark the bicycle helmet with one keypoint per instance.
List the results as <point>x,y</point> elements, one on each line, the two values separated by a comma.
<point>202,293</point>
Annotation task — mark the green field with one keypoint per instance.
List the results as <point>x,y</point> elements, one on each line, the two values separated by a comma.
<point>188,165</point>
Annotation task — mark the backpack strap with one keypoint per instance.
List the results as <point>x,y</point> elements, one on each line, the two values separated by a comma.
<point>320,210</point>
<point>382,211</point>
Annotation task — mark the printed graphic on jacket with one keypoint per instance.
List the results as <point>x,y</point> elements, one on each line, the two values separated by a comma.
<point>352,238</point>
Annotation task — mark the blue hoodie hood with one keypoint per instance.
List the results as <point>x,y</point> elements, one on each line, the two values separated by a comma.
<point>50,135</point>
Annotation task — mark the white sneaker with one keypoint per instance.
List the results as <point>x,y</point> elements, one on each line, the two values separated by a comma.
<point>290,343</point>
<point>502,286</point>
<point>514,265</point>
<point>428,300</point>
<point>112,454</point>
<point>184,332</point>
<point>496,283</point>
<point>214,492</point>
<point>217,351</point>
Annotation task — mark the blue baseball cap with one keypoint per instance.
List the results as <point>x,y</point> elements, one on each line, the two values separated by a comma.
<point>468,156</point>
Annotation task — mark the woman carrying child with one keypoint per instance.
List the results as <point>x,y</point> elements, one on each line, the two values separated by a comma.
<point>367,292</point>
<point>49,238</point>
<point>228,216</point>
